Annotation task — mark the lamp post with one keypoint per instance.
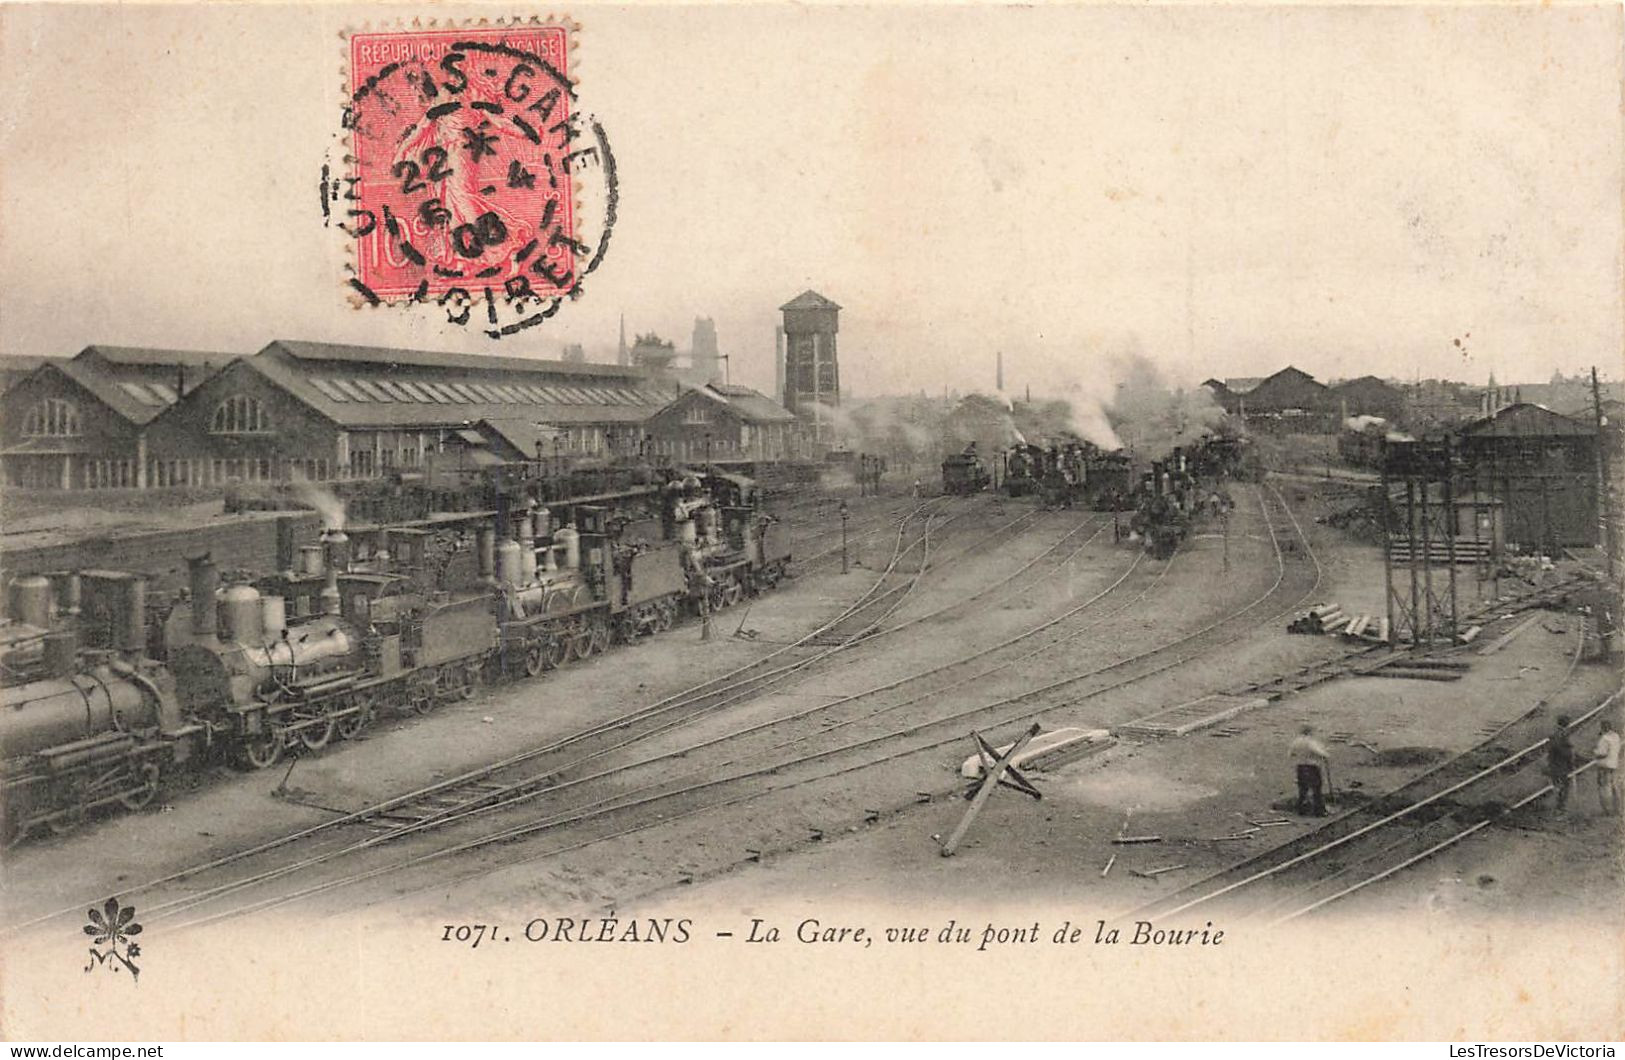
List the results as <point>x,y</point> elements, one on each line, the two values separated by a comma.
<point>845,515</point>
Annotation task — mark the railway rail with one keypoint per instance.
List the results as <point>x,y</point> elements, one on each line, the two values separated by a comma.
<point>1371,843</point>
<point>603,809</point>
<point>477,788</point>
<point>478,797</point>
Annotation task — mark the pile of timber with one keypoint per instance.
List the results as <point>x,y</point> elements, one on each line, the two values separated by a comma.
<point>1372,628</point>
<point>1324,618</point>
<point>1330,620</point>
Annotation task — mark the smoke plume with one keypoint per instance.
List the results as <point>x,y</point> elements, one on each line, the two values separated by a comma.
<point>322,499</point>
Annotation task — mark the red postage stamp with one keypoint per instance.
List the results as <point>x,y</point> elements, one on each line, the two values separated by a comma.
<point>463,144</point>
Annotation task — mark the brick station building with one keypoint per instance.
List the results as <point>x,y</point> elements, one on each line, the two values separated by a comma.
<point>723,422</point>
<point>84,422</point>
<point>122,418</point>
<point>321,411</point>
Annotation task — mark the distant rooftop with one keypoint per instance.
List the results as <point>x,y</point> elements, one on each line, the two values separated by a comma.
<point>809,300</point>
<point>467,362</point>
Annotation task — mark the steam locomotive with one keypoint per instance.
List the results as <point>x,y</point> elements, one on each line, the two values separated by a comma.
<point>86,720</point>
<point>1185,487</point>
<point>1067,475</point>
<point>382,617</point>
<point>964,473</point>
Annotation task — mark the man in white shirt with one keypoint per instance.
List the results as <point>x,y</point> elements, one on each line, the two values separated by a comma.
<point>1605,759</point>
<point>1310,758</point>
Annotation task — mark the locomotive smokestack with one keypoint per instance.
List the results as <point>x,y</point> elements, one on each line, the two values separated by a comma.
<point>336,545</point>
<point>205,579</point>
<point>287,548</point>
<point>61,652</point>
<point>486,539</point>
<point>331,601</point>
<point>132,630</point>
<point>72,590</point>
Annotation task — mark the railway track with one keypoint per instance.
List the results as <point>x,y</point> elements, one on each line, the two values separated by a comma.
<point>604,816</point>
<point>1374,842</point>
<point>479,788</point>
<point>606,812</point>
<point>822,543</point>
<point>470,794</point>
<point>441,811</point>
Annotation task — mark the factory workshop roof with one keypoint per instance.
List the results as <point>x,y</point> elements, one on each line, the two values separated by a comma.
<point>136,383</point>
<point>383,388</point>
<point>379,356</point>
<point>1524,419</point>
<point>751,406</point>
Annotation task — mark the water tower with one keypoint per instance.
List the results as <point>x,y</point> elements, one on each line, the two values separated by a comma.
<point>812,371</point>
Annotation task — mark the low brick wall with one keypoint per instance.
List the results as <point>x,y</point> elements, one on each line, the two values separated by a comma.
<point>249,543</point>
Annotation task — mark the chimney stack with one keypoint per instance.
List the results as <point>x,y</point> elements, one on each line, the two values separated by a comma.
<point>778,366</point>
<point>204,581</point>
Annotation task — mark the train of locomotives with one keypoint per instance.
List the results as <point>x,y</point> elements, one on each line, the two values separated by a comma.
<point>104,699</point>
<point>1165,497</point>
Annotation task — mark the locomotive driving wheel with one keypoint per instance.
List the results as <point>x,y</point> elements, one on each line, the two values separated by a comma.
<point>420,693</point>
<point>262,752</point>
<point>318,733</point>
<point>732,593</point>
<point>141,797</point>
<point>600,637</point>
<point>581,643</point>
<point>350,725</point>
<point>555,651</point>
<point>536,657</point>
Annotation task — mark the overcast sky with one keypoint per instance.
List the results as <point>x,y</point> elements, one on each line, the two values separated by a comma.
<point>1225,190</point>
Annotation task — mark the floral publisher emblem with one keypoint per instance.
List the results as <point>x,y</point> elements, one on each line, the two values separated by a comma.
<point>112,926</point>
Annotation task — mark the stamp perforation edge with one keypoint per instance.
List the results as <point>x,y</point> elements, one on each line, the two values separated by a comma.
<point>349,267</point>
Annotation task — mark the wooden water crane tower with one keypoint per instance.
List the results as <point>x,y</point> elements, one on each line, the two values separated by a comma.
<point>812,371</point>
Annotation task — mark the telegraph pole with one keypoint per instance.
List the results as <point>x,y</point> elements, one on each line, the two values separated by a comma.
<point>1605,493</point>
<point>845,513</point>
<point>1387,548</point>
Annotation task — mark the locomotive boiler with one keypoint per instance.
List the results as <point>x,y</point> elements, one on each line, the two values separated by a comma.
<point>305,655</point>
<point>86,728</point>
<point>393,617</point>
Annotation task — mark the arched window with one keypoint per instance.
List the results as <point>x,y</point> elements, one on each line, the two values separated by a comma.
<point>240,415</point>
<point>53,418</point>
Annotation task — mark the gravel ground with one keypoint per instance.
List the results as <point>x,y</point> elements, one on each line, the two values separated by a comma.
<point>860,846</point>
<point>225,810</point>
